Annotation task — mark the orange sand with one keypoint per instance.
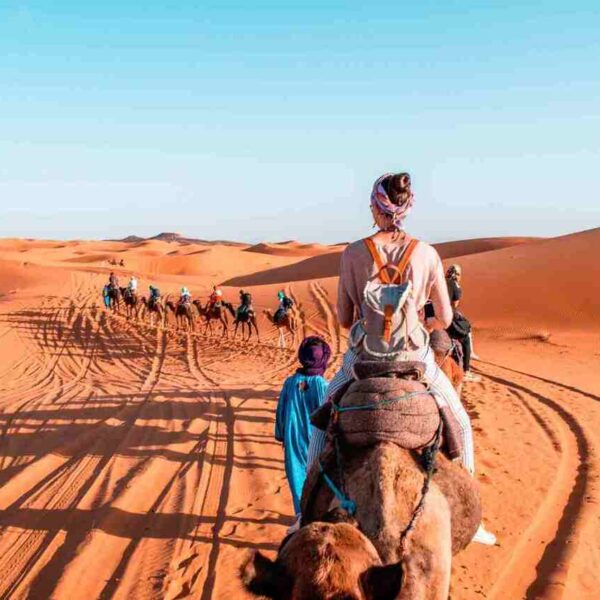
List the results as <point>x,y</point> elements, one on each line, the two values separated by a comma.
<point>140,463</point>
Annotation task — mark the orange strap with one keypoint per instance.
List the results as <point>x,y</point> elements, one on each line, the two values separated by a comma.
<point>383,269</point>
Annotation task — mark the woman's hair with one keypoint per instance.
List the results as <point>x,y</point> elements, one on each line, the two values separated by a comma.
<point>398,188</point>
<point>391,200</point>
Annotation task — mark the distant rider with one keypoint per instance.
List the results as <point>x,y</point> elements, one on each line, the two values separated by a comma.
<point>113,281</point>
<point>285,304</point>
<point>154,295</point>
<point>245,304</point>
<point>185,297</point>
<point>132,285</point>
<point>216,298</point>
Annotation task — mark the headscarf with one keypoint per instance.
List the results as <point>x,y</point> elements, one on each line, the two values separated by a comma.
<point>381,201</point>
<point>313,354</point>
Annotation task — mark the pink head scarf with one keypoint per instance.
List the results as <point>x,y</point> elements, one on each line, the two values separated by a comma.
<point>381,201</point>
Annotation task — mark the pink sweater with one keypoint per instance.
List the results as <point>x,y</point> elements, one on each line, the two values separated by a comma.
<point>425,271</point>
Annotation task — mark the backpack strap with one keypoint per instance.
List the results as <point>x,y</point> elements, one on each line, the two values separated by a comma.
<point>381,267</point>
<point>403,264</point>
<point>383,270</point>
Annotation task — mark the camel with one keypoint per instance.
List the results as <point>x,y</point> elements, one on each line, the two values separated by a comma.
<point>215,313</point>
<point>114,296</point>
<point>286,323</point>
<point>183,312</point>
<point>248,318</point>
<point>155,309</point>
<point>411,516</point>
<point>323,560</point>
<point>131,302</point>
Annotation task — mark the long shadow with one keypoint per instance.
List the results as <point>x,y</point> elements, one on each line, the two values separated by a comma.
<point>221,516</point>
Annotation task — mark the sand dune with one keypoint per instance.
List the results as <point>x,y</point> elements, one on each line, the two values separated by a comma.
<point>291,248</point>
<point>139,462</point>
<point>475,246</point>
<point>551,284</point>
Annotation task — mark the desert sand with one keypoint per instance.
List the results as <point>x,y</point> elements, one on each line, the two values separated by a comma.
<point>140,463</point>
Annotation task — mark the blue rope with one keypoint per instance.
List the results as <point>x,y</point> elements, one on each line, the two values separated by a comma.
<point>346,503</point>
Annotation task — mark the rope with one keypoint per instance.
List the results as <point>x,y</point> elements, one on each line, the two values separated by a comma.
<point>429,456</point>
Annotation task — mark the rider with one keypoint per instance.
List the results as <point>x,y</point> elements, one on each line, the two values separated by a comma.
<point>422,276</point>
<point>113,281</point>
<point>132,285</point>
<point>185,296</point>
<point>459,326</point>
<point>154,295</point>
<point>245,303</point>
<point>285,304</point>
<point>216,298</point>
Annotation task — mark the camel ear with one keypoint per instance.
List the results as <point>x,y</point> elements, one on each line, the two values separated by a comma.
<point>264,577</point>
<point>382,583</point>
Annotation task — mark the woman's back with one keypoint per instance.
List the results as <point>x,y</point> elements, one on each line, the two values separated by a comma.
<point>424,271</point>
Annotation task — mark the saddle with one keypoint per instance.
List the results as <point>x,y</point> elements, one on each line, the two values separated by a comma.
<point>388,402</point>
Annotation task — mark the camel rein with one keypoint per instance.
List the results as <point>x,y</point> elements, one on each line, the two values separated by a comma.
<point>428,459</point>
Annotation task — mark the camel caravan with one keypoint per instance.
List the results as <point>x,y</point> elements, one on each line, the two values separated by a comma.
<point>154,309</point>
<point>383,481</point>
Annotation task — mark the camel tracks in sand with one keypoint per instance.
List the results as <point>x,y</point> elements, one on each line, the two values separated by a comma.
<point>328,310</point>
<point>565,503</point>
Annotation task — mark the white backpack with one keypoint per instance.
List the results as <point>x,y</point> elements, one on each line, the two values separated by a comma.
<point>389,318</point>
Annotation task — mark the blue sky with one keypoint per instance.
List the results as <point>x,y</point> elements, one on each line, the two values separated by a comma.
<point>270,120</point>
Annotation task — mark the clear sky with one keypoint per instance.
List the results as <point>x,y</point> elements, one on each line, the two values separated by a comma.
<point>256,120</point>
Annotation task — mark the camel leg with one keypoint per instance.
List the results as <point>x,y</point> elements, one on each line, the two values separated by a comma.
<point>225,324</point>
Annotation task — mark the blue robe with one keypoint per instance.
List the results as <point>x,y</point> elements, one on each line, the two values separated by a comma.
<point>300,397</point>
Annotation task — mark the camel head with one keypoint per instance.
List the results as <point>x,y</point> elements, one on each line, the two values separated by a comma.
<point>323,561</point>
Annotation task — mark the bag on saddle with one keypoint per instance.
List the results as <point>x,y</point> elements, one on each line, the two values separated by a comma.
<point>387,407</point>
<point>388,402</point>
<point>389,318</point>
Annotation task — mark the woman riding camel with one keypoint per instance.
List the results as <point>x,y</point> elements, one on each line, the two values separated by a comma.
<point>398,273</point>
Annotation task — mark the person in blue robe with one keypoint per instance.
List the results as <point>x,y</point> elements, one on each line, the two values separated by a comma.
<point>301,395</point>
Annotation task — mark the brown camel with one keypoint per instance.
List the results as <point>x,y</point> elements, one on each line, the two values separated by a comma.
<point>114,296</point>
<point>216,312</point>
<point>131,301</point>
<point>245,317</point>
<point>184,314</point>
<point>154,309</point>
<point>286,323</point>
<point>386,483</point>
<point>323,561</point>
